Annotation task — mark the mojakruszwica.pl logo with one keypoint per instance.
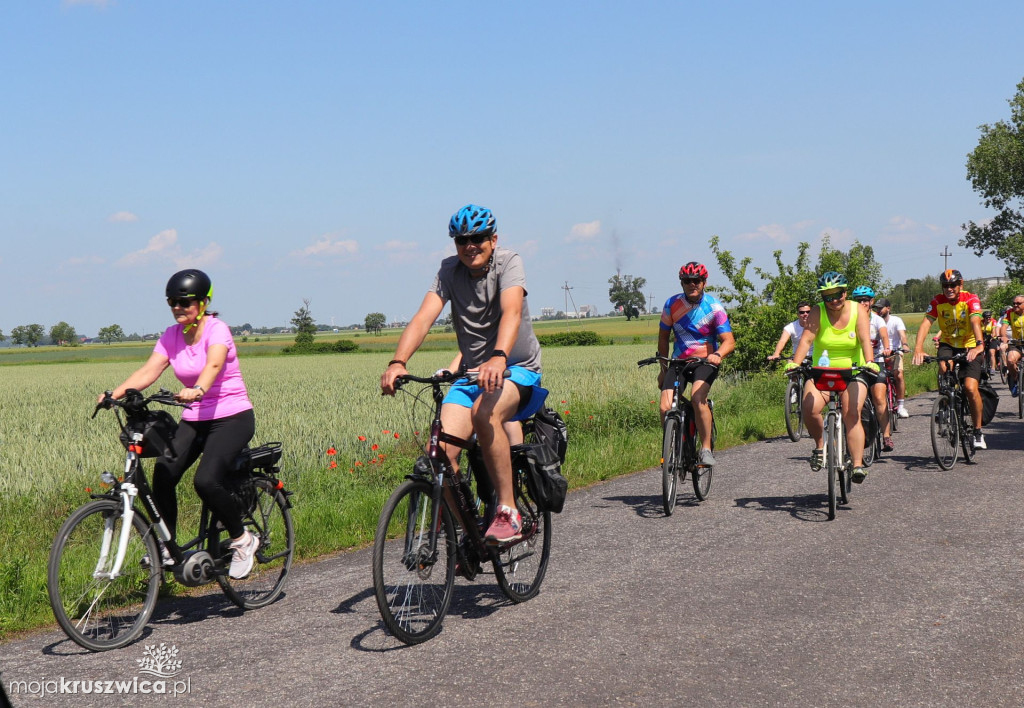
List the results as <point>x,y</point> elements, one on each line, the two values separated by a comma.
<point>159,662</point>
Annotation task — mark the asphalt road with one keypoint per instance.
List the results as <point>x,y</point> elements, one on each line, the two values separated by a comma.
<point>911,597</point>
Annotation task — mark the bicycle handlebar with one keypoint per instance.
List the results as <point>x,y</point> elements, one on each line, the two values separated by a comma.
<point>133,401</point>
<point>442,377</point>
<point>673,362</point>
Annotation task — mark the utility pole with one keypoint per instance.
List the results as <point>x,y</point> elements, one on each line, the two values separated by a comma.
<point>565,308</point>
<point>945,257</point>
<point>650,302</point>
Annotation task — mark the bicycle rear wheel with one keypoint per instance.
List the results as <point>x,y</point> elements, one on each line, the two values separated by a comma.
<point>794,411</point>
<point>521,566</point>
<point>701,476</point>
<point>966,431</point>
<point>97,612</point>
<point>671,452</point>
<point>413,586</point>
<point>267,515</point>
<point>1020,399</point>
<point>869,422</point>
<point>944,432</point>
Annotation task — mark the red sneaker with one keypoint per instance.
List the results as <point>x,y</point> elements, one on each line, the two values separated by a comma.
<point>506,526</point>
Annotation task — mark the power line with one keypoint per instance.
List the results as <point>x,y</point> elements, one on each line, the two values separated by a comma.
<point>945,257</point>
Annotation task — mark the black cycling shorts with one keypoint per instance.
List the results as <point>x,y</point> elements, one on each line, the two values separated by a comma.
<point>689,374</point>
<point>968,369</point>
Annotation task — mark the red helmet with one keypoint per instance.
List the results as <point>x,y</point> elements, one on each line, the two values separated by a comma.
<point>693,269</point>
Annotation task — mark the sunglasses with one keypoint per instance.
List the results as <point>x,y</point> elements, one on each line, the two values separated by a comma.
<point>183,302</point>
<point>834,297</point>
<point>476,239</point>
<point>803,312</point>
<point>691,281</point>
<point>863,299</point>
<point>1018,304</point>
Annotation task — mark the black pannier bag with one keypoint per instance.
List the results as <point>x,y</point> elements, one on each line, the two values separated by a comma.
<point>543,458</point>
<point>544,477</point>
<point>989,400</point>
<point>158,430</point>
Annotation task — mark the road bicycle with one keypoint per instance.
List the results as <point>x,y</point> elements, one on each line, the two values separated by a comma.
<point>793,404</point>
<point>432,528</point>
<point>105,569</point>
<point>680,442</point>
<point>952,427</point>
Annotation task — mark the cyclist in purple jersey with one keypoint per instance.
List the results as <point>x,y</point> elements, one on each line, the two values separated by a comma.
<point>700,326</point>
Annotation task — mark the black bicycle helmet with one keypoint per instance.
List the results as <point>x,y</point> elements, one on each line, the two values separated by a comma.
<point>950,277</point>
<point>191,283</point>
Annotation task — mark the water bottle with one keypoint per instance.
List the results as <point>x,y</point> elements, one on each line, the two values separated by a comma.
<point>823,360</point>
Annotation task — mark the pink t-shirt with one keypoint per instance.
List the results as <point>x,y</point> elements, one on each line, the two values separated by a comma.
<point>227,396</point>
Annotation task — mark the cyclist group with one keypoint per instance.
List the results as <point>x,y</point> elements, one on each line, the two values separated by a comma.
<point>486,286</point>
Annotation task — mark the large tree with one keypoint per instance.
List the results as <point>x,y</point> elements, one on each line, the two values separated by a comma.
<point>996,171</point>
<point>29,335</point>
<point>375,321</point>
<point>63,335</point>
<point>305,326</point>
<point>113,333</point>
<point>626,293</point>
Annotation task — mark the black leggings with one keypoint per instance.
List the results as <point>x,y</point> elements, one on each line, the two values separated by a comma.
<point>219,441</point>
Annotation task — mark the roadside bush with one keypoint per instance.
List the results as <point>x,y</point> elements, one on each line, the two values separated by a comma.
<point>340,346</point>
<point>580,338</point>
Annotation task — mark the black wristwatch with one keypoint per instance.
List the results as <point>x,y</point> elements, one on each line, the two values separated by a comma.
<point>498,352</point>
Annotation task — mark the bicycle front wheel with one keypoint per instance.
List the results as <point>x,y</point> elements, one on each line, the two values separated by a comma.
<point>521,566</point>
<point>670,462</point>
<point>794,411</point>
<point>894,419</point>
<point>832,461</point>
<point>268,516</point>
<point>98,611</point>
<point>944,432</point>
<point>871,433</point>
<point>413,584</point>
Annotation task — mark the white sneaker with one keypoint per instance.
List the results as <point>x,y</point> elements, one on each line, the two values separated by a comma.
<point>244,555</point>
<point>165,558</point>
<point>902,412</point>
<point>979,442</point>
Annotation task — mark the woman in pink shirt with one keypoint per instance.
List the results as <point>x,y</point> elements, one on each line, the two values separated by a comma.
<point>220,422</point>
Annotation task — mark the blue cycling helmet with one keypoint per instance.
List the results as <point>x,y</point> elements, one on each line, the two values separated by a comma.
<point>472,220</point>
<point>863,291</point>
<point>831,280</point>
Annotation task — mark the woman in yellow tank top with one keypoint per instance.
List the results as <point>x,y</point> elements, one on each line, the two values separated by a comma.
<point>835,326</point>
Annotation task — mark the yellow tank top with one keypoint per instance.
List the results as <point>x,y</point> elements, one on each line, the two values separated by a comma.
<point>844,351</point>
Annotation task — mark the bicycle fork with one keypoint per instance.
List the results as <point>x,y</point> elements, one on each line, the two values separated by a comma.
<point>128,493</point>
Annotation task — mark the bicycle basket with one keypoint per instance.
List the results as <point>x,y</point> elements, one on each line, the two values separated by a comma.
<point>829,379</point>
<point>158,429</point>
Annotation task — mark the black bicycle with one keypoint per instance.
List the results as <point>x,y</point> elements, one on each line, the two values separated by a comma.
<point>952,427</point>
<point>793,403</point>
<point>432,528</point>
<point>680,442</point>
<point>105,567</point>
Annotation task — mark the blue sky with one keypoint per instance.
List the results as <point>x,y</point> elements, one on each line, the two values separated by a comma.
<point>317,149</point>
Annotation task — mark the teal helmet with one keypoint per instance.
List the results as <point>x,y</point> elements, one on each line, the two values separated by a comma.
<point>832,280</point>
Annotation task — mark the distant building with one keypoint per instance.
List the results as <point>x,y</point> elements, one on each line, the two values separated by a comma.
<point>588,311</point>
<point>547,312</point>
<point>989,283</point>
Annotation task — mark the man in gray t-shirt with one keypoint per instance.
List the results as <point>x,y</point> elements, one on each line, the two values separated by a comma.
<point>486,287</point>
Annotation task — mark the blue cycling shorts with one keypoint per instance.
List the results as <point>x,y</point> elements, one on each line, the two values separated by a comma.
<point>526,381</point>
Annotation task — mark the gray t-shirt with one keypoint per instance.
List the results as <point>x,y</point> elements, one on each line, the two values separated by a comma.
<point>476,308</point>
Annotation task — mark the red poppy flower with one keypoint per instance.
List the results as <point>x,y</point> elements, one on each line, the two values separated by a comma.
<point>331,450</point>
<point>362,438</point>
<point>333,464</point>
<point>566,413</point>
<point>396,436</point>
<point>358,463</point>
<point>375,446</point>
<point>385,432</point>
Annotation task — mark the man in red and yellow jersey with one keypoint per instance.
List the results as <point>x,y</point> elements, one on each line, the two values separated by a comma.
<point>959,315</point>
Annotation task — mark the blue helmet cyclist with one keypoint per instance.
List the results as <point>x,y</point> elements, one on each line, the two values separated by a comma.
<point>486,286</point>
